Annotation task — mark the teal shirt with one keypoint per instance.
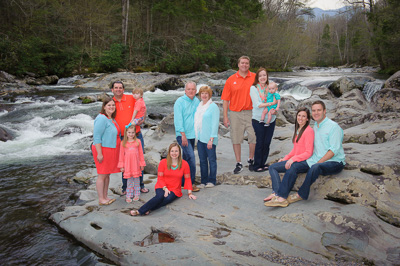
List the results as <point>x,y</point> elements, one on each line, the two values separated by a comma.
<point>184,109</point>
<point>270,99</point>
<point>104,132</point>
<point>256,99</point>
<point>209,125</point>
<point>328,136</point>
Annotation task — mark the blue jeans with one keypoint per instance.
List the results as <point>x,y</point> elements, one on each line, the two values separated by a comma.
<point>326,168</point>
<point>263,140</point>
<point>124,181</point>
<point>188,156</point>
<point>283,188</point>
<point>206,157</point>
<point>157,201</point>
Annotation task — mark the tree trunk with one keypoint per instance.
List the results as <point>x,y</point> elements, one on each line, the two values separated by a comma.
<point>125,20</point>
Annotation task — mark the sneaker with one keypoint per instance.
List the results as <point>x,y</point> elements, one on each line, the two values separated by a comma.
<point>209,185</point>
<point>238,168</point>
<point>251,164</point>
<point>201,186</point>
<point>195,189</point>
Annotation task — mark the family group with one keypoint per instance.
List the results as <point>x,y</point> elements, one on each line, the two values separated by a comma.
<point>253,102</point>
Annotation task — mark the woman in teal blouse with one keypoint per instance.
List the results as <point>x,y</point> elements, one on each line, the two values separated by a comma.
<point>206,123</point>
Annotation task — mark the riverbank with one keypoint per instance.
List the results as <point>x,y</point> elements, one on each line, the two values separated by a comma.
<point>351,217</point>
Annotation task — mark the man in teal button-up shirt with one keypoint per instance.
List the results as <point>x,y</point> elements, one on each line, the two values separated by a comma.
<point>328,156</point>
<point>184,109</point>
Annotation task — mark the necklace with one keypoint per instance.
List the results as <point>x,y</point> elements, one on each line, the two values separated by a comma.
<point>174,167</point>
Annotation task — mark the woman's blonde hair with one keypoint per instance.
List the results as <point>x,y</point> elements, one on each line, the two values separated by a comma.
<point>205,89</point>
<point>125,140</point>
<point>169,159</point>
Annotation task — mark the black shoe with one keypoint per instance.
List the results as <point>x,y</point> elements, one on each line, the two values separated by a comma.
<point>238,168</point>
<point>251,165</point>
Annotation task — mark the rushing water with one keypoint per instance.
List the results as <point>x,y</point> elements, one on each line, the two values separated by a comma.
<point>35,165</point>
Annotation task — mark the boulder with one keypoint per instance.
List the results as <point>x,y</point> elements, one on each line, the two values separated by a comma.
<point>393,81</point>
<point>171,83</point>
<point>47,80</point>
<point>345,84</point>
<point>5,77</point>
<point>5,135</point>
<point>87,99</point>
<point>68,130</point>
<point>386,100</point>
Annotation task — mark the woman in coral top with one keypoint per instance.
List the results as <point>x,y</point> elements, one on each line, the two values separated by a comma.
<point>169,182</point>
<point>303,146</point>
<point>105,148</point>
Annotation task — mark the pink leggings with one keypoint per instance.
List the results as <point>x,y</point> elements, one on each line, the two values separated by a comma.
<point>133,187</point>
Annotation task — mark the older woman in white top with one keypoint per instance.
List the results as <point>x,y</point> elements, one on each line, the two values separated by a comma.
<point>263,134</point>
<point>206,123</point>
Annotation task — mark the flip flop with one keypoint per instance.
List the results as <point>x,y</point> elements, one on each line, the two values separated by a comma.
<point>294,198</point>
<point>107,203</point>
<point>275,203</point>
<point>144,190</point>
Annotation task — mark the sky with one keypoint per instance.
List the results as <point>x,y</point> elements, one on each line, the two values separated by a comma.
<point>326,4</point>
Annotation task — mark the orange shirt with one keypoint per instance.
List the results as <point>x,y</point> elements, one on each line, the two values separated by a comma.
<point>237,92</point>
<point>172,179</point>
<point>125,111</point>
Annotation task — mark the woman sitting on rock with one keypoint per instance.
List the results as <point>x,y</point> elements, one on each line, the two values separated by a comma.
<point>105,148</point>
<point>169,181</point>
<point>303,145</point>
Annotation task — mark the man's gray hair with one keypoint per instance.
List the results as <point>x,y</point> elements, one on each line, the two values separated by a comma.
<point>190,82</point>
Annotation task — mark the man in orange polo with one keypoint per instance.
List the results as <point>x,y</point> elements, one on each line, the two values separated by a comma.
<point>236,97</point>
<point>124,104</point>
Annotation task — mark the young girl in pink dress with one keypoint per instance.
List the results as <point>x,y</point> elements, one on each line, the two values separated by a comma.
<point>131,162</point>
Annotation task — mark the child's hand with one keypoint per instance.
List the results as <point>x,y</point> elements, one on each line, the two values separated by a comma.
<point>141,168</point>
<point>122,169</point>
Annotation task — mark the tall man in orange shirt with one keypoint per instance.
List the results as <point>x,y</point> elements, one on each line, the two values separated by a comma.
<point>236,97</point>
<point>124,104</point>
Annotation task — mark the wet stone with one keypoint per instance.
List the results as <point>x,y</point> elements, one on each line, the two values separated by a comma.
<point>156,237</point>
<point>221,232</point>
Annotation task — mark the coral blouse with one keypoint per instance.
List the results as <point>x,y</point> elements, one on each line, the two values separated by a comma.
<point>172,179</point>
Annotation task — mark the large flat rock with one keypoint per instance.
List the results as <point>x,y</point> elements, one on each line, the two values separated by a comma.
<point>230,225</point>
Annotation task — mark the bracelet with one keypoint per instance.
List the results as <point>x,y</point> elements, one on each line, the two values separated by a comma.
<point>190,193</point>
<point>164,188</point>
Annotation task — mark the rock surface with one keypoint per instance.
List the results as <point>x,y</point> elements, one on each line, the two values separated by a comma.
<point>350,218</point>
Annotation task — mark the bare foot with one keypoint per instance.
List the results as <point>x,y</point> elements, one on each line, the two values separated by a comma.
<point>269,197</point>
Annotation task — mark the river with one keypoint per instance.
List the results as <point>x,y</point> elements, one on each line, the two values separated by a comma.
<point>36,164</point>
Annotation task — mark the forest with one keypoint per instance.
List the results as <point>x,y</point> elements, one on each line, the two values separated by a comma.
<point>67,37</point>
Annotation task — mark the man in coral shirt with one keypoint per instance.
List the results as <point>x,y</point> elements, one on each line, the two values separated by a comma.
<point>236,97</point>
<point>124,104</point>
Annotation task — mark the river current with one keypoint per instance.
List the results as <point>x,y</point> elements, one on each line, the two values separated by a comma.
<point>35,165</point>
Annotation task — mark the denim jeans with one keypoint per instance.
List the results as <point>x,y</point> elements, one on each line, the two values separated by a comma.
<point>206,157</point>
<point>326,168</point>
<point>124,181</point>
<point>157,201</point>
<point>283,188</point>
<point>188,156</point>
<point>263,140</point>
